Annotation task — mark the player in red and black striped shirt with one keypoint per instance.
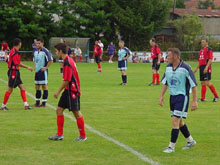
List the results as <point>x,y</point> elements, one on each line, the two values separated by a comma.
<point>70,98</point>
<point>14,78</point>
<point>205,60</point>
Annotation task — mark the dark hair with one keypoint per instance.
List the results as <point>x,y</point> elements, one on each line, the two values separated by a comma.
<point>206,39</point>
<point>174,51</point>
<point>62,47</point>
<point>41,40</point>
<point>153,40</point>
<point>16,41</point>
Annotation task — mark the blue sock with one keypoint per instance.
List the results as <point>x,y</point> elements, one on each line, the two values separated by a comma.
<point>38,96</point>
<point>174,135</point>
<point>45,96</point>
<point>185,131</point>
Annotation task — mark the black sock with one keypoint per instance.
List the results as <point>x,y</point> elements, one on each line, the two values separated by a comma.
<point>122,77</point>
<point>45,96</point>
<point>38,96</point>
<point>61,70</point>
<point>174,135</point>
<point>185,131</point>
<point>125,78</point>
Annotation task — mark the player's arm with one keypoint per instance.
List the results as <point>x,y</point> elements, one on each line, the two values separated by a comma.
<point>197,67</point>
<point>194,103</point>
<point>163,90</point>
<point>63,85</point>
<point>25,66</point>
<point>48,65</point>
<point>207,66</point>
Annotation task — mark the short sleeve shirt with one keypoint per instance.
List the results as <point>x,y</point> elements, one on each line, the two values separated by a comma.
<point>155,50</point>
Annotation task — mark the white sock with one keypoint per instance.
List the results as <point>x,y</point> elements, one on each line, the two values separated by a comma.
<point>25,104</point>
<point>189,139</point>
<point>172,145</point>
<point>3,105</point>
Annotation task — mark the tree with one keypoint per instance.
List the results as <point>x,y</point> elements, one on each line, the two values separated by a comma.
<point>205,4</point>
<point>189,28</point>
<point>180,4</point>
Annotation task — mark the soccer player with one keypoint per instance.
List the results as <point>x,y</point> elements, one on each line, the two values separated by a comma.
<point>70,97</point>
<point>4,46</point>
<point>111,51</point>
<point>42,61</point>
<point>78,52</point>
<point>123,54</point>
<point>97,53</point>
<point>14,78</point>
<point>101,46</point>
<point>155,55</point>
<point>205,60</point>
<point>180,79</point>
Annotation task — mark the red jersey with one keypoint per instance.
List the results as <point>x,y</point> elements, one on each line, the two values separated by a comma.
<point>4,47</point>
<point>155,51</point>
<point>70,74</point>
<point>97,50</point>
<point>204,55</point>
<point>14,59</point>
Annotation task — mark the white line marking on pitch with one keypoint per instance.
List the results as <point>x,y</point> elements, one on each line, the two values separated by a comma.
<point>126,147</point>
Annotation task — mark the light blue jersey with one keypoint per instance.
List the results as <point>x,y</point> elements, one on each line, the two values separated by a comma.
<point>123,52</point>
<point>41,58</point>
<point>179,81</point>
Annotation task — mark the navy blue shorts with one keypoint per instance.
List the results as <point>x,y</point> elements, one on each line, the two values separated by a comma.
<point>122,65</point>
<point>41,78</point>
<point>179,106</point>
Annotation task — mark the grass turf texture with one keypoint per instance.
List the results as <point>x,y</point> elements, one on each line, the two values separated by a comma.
<point>129,114</point>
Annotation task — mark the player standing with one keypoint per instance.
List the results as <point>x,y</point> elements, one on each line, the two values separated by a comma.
<point>70,97</point>
<point>14,78</point>
<point>180,79</point>
<point>123,54</point>
<point>42,61</point>
<point>97,53</point>
<point>205,60</point>
<point>155,55</point>
<point>111,51</point>
<point>77,52</point>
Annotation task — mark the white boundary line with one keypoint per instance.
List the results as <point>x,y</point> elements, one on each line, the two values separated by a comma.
<point>122,145</point>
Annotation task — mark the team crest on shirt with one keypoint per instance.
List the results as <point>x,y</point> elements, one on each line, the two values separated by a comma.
<point>174,82</point>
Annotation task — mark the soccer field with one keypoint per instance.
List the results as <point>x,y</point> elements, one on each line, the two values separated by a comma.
<point>130,115</point>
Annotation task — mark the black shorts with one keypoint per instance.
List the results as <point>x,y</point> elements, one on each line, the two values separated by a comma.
<point>97,59</point>
<point>204,77</point>
<point>179,106</point>
<point>154,64</point>
<point>14,78</point>
<point>69,101</point>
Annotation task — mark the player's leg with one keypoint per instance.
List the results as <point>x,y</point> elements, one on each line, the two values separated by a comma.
<point>184,130</point>
<point>157,74</point>
<point>203,90</point>
<point>80,58</point>
<point>45,95</point>
<point>37,95</point>
<point>98,61</point>
<point>124,77</point>
<point>24,97</point>
<point>111,58</point>
<point>81,125</point>
<point>6,98</point>
<point>75,58</point>
<point>212,88</point>
<point>60,124</point>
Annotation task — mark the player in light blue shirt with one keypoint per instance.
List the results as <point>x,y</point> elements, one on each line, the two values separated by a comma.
<point>123,54</point>
<point>180,80</point>
<point>42,60</point>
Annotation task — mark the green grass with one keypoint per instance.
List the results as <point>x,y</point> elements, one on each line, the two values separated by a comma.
<point>129,114</point>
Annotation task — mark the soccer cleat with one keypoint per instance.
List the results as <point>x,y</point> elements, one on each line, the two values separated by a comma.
<point>42,106</point>
<point>158,84</point>
<point>168,150</point>
<point>123,84</point>
<point>36,105</point>
<point>215,99</point>
<point>151,84</point>
<point>99,71</point>
<point>80,138</point>
<point>56,137</point>
<point>201,100</point>
<point>28,107</point>
<point>189,145</point>
<point>4,109</point>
